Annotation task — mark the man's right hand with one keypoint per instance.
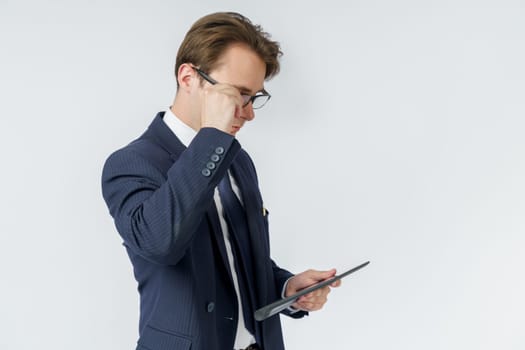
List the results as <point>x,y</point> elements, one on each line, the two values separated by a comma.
<point>221,108</point>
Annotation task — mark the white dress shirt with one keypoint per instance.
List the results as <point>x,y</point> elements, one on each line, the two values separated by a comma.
<point>185,134</point>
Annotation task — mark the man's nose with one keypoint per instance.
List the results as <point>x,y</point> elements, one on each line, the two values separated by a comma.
<point>247,112</point>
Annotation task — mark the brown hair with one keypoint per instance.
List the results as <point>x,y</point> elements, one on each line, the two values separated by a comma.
<point>211,35</point>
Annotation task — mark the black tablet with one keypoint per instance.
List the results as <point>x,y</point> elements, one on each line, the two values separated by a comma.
<point>278,306</point>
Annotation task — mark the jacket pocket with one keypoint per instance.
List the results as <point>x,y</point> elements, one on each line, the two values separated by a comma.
<point>156,339</point>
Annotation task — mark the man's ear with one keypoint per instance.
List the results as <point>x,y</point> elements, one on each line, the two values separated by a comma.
<point>185,76</point>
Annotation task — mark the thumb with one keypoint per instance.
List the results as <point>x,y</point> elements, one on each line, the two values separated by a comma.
<point>322,275</point>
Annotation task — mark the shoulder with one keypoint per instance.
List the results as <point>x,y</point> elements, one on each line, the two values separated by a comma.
<point>141,153</point>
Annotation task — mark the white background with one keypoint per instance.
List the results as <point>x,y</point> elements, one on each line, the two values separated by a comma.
<point>395,134</point>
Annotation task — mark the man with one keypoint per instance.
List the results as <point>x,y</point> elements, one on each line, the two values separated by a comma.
<point>185,199</point>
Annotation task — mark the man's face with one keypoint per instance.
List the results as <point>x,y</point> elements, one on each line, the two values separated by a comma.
<point>242,68</point>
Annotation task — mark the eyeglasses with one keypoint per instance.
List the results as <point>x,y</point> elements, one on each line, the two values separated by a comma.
<point>258,100</point>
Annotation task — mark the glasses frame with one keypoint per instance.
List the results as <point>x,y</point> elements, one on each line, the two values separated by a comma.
<point>247,98</point>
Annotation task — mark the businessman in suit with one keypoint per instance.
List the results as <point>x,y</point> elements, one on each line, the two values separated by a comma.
<point>185,199</point>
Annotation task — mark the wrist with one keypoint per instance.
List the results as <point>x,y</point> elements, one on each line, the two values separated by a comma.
<point>218,126</point>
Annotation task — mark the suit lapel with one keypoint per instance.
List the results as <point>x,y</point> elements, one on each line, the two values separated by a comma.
<point>217,236</point>
<point>163,136</point>
<point>252,203</point>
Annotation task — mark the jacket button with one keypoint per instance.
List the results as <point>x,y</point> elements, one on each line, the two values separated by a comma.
<point>215,158</point>
<point>210,165</point>
<point>219,150</point>
<point>210,306</point>
<point>206,172</point>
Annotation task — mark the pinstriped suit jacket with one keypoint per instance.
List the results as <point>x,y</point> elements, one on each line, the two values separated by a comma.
<point>161,198</point>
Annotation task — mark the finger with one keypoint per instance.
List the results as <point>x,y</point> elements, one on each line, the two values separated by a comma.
<point>313,305</point>
<point>336,283</point>
<point>320,294</point>
<point>307,306</point>
<point>322,275</point>
<point>315,299</point>
<point>230,91</point>
<point>322,291</point>
<point>225,89</point>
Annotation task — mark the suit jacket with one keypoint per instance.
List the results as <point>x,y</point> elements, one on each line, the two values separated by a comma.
<point>160,194</point>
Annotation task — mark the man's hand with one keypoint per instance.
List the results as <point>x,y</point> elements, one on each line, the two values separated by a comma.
<point>315,300</point>
<point>221,108</point>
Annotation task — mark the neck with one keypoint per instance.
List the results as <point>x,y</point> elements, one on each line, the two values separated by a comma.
<point>185,113</point>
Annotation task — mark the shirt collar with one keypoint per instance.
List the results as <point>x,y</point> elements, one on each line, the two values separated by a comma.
<point>183,132</point>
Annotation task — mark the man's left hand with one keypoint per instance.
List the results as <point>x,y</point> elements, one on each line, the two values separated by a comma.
<point>315,300</point>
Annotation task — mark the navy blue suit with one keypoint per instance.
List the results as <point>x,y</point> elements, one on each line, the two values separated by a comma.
<point>160,194</point>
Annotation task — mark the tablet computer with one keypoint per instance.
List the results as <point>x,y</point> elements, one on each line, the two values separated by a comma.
<point>278,306</point>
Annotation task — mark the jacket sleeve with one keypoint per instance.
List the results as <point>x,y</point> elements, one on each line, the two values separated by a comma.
<point>157,213</point>
<point>281,277</point>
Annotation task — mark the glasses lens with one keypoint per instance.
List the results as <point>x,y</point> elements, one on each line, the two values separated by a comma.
<point>259,101</point>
